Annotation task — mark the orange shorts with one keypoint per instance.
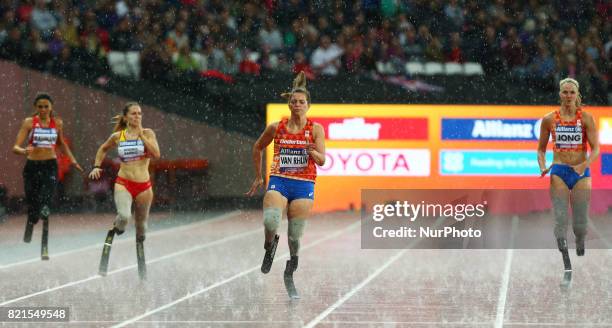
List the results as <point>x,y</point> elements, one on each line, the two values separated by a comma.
<point>134,188</point>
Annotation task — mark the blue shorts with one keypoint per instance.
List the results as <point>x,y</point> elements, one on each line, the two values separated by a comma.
<point>292,188</point>
<point>568,175</point>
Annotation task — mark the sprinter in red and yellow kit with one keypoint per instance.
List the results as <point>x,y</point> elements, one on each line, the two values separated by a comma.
<point>299,145</point>
<point>570,178</point>
<point>135,146</point>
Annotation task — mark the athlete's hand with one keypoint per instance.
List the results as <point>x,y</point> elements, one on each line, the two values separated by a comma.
<point>95,173</point>
<point>310,148</point>
<point>544,172</point>
<point>77,166</point>
<point>140,130</point>
<point>580,168</point>
<point>28,150</point>
<point>257,183</point>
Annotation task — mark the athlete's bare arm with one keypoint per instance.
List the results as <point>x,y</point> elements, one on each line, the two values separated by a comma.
<point>150,141</point>
<point>24,130</point>
<point>63,146</point>
<point>592,139</point>
<point>101,153</point>
<point>543,142</point>
<point>264,140</point>
<point>317,149</point>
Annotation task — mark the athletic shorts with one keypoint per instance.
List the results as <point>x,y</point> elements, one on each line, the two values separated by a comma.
<point>134,188</point>
<point>568,175</point>
<point>292,188</point>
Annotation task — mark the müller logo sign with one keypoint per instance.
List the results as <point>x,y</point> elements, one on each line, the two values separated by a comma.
<point>490,129</point>
<point>354,128</point>
<point>375,162</point>
<point>373,128</point>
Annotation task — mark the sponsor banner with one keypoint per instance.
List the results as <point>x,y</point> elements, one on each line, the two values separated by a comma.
<point>606,164</point>
<point>496,146</point>
<point>375,162</point>
<point>490,129</point>
<point>490,162</point>
<point>373,128</point>
<point>605,131</point>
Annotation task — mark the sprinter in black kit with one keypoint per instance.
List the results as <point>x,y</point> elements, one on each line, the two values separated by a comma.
<point>44,133</point>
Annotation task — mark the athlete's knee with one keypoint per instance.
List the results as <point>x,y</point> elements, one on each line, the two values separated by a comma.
<point>580,227</point>
<point>121,220</point>
<point>272,218</point>
<point>296,229</point>
<point>580,219</point>
<point>141,226</point>
<point>560,231</point>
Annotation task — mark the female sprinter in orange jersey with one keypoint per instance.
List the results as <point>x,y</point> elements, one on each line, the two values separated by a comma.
<point>570,178</point>
<point>135,146</point>
<point>299,145</point>
<point>44,132</point>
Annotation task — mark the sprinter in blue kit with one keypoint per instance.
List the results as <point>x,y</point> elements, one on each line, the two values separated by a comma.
<point>570,178</point>
<point>299,145</point>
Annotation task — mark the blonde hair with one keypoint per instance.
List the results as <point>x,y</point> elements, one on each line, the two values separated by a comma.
<point>119,120</point>
<point>577,85</point>
<point>299,85</point>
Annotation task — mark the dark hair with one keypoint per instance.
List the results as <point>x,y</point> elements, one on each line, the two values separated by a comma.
<point>42,95</point>
<point>119,120</point>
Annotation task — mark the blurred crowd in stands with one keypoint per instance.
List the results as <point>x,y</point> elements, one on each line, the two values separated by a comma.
<point>521,39</point>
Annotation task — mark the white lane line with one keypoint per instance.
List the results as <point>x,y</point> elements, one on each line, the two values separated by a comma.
<point>158,259</point>
<point>151,234</point>
<point>234,277</point>
<point>503,293</point>
<point>355,289</point>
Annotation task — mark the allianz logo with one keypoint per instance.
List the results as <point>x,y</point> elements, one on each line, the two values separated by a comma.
<point>506,130</point>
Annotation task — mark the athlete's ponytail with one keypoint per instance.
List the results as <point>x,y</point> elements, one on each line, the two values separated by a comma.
<point>299,85</point>
<point>120,120</point>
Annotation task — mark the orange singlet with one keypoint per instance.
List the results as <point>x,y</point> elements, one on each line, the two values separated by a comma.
<point>290,157</point>
<point>569,135</point>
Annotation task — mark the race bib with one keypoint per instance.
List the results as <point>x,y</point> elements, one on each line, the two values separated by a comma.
<point>44,137</point>
<point>131,150</point>
<point>568,136</point>
<point>293,159</point>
